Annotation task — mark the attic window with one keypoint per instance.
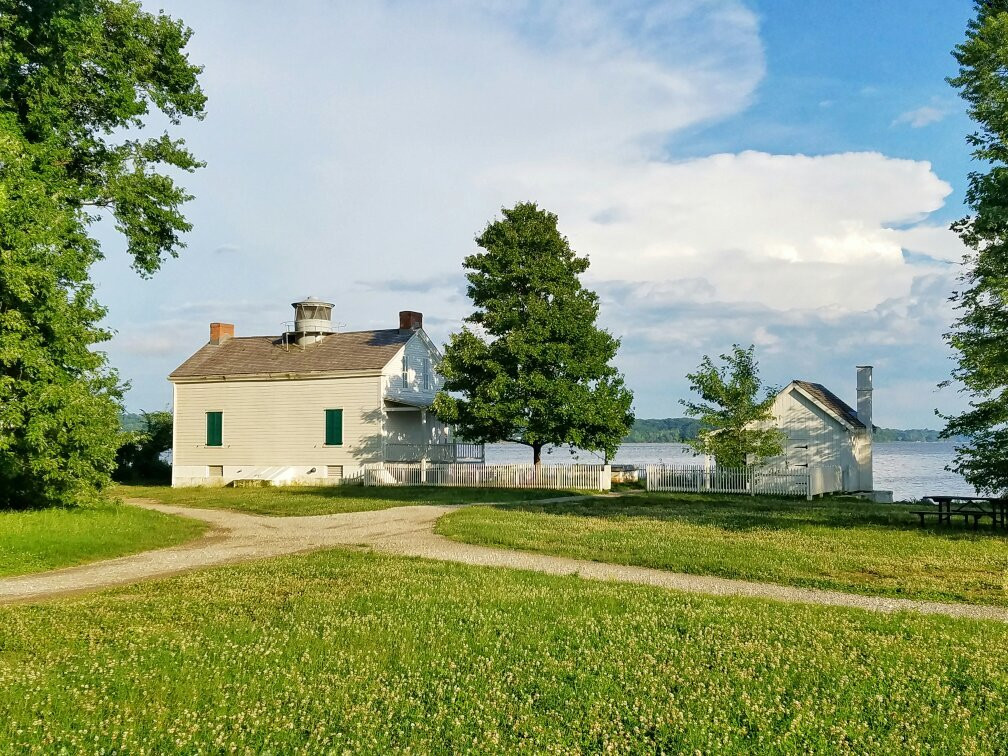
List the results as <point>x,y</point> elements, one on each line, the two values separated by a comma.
<point>405,371</point>
<point>426,375</point>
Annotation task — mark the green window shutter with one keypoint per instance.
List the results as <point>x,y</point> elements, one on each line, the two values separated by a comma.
<point>214,428</point>
<point>334,427</point>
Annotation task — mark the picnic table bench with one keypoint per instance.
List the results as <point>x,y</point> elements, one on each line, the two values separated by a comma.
<point>977,507</point>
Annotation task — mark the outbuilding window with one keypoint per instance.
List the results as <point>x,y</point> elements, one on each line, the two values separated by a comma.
<point>334,427</point>
<point>214,428</point>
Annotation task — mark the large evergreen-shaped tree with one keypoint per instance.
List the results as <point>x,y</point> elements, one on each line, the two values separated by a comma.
<point>535,368</point>
<point>980,334</point>
<point>76,77</point>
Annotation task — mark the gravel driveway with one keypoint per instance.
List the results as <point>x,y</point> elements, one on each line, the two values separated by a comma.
<point>409,531</point>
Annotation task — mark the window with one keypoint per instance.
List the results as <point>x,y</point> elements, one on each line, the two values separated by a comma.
<point>405,371</point>
<point>334,427</point>
<point>426,375</point>
<point>214,428</point>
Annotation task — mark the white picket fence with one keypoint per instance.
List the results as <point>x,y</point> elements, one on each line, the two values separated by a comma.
<point>793,481</point>
<point>476,475</point>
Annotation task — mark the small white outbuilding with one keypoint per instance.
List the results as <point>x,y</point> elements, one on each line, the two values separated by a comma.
<point>822,429</point>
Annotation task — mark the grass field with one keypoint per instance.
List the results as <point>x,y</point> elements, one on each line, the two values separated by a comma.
<point>318,500</point>
<point>353,651</point>
<point>44,539</point>
<point>847,545</point>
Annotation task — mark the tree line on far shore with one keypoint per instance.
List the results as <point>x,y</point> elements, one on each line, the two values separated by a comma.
<point>671,430</point>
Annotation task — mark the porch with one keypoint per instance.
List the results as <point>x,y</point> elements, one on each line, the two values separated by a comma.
<point>411,432</point>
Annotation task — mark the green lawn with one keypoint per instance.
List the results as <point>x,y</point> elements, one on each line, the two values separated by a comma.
<point>848,545</point>
<point>318,500</point>
<point>349,651</point>
<point>44,539</point>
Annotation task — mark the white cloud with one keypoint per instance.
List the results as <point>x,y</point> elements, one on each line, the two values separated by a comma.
<point>921,117</point>
<point>778,229</point>
<point>350,144</point>
<point>938,242</point>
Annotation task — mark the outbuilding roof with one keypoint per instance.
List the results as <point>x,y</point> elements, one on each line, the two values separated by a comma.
<point>257,355</point>
<point>831,403</point>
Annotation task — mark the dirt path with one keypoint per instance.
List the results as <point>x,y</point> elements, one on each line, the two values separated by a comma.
<point>409,531</point>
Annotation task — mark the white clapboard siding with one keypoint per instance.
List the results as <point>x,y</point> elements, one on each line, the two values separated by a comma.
<point>278,422</point>
<point>805,481</point>
<point>824,479</point>
<point>476,475</point>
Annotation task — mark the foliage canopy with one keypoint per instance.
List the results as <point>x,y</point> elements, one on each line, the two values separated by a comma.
<point>532,366</point>
<point>78,81</point>
<point>980,333</point>
<point>735,420</point>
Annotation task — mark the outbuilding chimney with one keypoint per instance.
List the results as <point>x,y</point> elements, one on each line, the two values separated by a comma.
<point>864,396</point>
<point>410,320</point>
<point>221,332</point>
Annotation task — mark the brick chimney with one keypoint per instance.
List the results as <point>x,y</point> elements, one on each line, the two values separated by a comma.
<point>221,332</point>
<point>410,321</point>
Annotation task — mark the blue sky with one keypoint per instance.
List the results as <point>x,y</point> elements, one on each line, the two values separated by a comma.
<point>766,171</point>
<point>838,76</point>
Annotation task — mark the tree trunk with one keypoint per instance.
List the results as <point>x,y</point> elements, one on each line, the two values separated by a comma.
<point>536,454</point>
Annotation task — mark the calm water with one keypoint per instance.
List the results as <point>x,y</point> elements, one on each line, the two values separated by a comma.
<point>909,470</point>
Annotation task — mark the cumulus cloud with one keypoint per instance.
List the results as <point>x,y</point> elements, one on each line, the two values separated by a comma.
<point>354,151</point>
<point>828,230</point>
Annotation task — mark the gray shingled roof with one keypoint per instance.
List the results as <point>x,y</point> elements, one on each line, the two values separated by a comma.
<point>832,402</point>
<point>250,355</point>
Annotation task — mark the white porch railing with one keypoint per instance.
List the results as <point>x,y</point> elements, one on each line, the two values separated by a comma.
<point>477,475</point>
<point>792,481</point>
<point>451,452</point>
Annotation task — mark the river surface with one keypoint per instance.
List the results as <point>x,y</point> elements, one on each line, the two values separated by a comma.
<point>910,470</point>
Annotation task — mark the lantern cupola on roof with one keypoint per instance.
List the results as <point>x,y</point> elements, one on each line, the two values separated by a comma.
<point>312,320</point>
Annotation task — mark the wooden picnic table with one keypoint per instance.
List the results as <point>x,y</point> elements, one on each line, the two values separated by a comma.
<point>976,507</point>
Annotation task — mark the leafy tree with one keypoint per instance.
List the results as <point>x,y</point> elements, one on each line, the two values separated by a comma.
<point>138,458</point>
<point>735,421</point>
<point>78,79</point>
<point>980,333</point>
<point>533,368</point>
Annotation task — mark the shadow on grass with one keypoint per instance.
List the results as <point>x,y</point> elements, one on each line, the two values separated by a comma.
<point>445,494</point>
<point>398,494</point>
<point>741,513</point>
